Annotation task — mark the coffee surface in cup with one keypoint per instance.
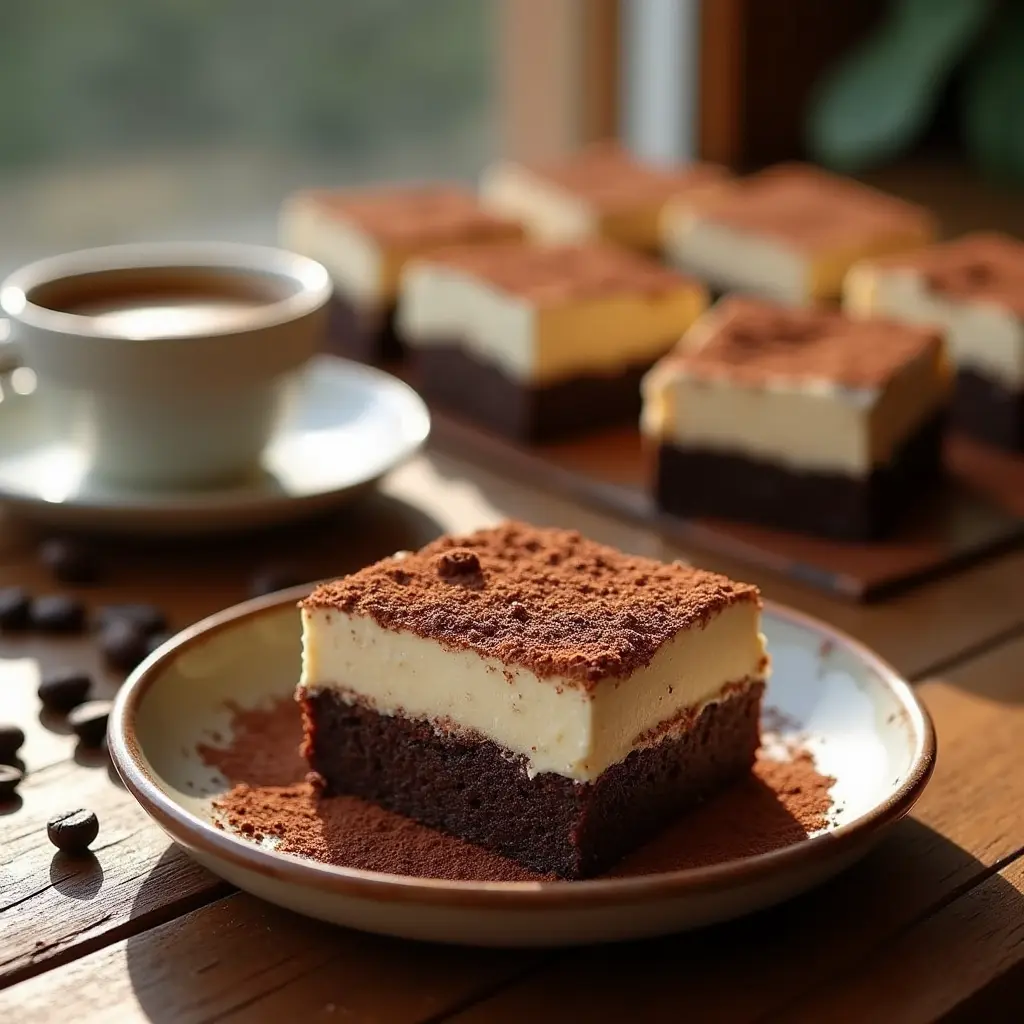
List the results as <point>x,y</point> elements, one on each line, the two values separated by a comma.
<point>149,302</point>
<point>141,317</point>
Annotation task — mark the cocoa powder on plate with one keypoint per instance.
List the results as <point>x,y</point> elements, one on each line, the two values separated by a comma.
<point>270,799</point>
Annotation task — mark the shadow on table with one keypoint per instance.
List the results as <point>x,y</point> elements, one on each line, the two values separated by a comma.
<point>993,676</point>
<point>219,958</point>
<point>91,757</point>
<point>239,958</point>
<point>329,544</point>
<point>784,961</point>
<point>77,877</point>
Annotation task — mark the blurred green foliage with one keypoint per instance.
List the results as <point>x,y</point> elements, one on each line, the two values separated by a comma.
<point>86,77</point>
<point>879,100</point>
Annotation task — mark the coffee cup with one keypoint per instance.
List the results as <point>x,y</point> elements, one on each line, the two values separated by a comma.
<point>169,364</point>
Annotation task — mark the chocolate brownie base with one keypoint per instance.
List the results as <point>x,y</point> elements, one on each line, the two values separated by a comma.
<point>480,392</point>
<point>363,333</point>
<point>989,411</point>
<point>475,790</point>
<point>717,485</point>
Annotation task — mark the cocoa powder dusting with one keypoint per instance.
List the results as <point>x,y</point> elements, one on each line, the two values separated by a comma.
<point>265,747</point>
<point>781,803</point>
<point>752,342</point>
<point>545,599</point>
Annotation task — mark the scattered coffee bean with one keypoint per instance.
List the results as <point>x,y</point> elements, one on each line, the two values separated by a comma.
<point>57,613</point>
<point>15,605</point>
<point>64,689</point>
<point>11,739</point>
<point>146,617</point>
<point>10,779</point>
<point>69,561</point>
<point>272,578</point>
<point>89,722</point>
<point>156,640</point>
<point>73,831</point>
<point>123,644</point>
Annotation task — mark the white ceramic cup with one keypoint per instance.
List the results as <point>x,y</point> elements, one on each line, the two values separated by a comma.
<point>169,364</point>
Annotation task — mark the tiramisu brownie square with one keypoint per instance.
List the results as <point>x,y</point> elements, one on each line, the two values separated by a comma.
<point>364,238</point>
<point>601,192</point>
<point>801,419</point>
<point>789,233</point>
<point>974,289</point>
<point>540,342</point>
<point>532,692</point>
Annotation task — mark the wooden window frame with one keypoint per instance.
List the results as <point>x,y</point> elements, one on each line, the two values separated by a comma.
<point>558,75</point>
<point>564,70</point>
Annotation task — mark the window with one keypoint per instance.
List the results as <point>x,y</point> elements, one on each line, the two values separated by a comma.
<point>192,118</point>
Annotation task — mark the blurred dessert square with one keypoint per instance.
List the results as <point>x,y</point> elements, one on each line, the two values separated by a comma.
<point>789,233</point>
<point>365,236</point>
<point>601,192</point>
<point>539,342</point>
<point>973,288</point>
<point>801,419</point>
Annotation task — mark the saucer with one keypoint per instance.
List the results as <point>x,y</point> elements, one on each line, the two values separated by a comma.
<point>347,426</point>
<point>828,693</point>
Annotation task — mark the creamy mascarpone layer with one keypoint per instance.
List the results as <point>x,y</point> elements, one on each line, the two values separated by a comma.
<point>981,336</point>
<point>553,215</point>
<point>534,344</point>
<point>550,214</point>
<point>359,268</point>
<point>812,426</point>
<point>735,260</point>
<point>553,723</point>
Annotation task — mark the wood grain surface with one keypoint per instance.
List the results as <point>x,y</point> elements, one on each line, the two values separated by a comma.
<point>139,932</point>
<point>243,960</point>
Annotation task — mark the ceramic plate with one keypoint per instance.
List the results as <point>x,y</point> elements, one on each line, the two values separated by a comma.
<point>862,722</point>
<point>348,425</point>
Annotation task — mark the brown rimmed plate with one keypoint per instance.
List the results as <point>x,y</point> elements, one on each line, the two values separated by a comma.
<point>861,721</point>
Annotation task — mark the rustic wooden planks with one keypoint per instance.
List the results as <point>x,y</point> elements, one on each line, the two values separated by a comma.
<point>54,908</point>
<point>242,960</point>
<point>121,920</point>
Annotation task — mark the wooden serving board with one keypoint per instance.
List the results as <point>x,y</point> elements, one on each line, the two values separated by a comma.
<point>980,513</point>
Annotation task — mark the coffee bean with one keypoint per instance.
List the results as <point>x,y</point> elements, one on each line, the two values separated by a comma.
<point>73,831</point>
<point>69,561</point>
<point>155,641</point>
<point>272,578</point>
<point>57,613</point>
<point>89,722</point>
<point>10,779</point>
<point>123,644</point>
<point>64,689</point>
<point>11,739</point>
<point>15,604</point>
<point>146,617</point>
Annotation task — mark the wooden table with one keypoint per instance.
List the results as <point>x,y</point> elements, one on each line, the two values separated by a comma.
<point>930,925</point>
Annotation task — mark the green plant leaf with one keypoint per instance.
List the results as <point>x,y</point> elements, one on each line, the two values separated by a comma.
<point>993,101</point>
<point>879,99</point>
